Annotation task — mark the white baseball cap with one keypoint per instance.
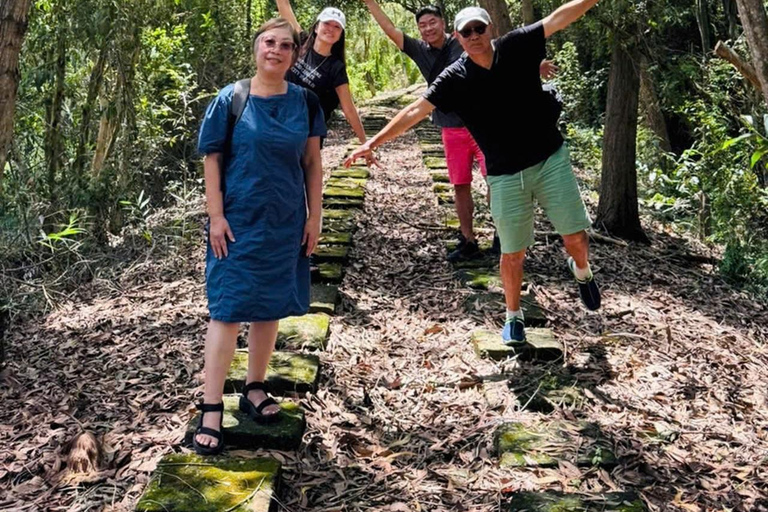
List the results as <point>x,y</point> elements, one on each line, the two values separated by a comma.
<point>333,14</point>
<point>471,14</point>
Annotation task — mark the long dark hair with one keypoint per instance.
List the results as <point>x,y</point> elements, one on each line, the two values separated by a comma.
<point>337,50</point>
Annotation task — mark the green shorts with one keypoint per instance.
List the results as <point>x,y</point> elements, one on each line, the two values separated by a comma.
<point>553,185</point>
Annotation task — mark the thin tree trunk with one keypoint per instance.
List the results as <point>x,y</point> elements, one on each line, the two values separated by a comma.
<point>248,20</point>
<point>732,18</point>
<point>617,211</point>
<point>53,138</point>
<point>649,100</point>
<point>499,13</point>
<point>528,14</point>
<point>13,26</point>
<point>755,22</point>
<point>94,87</point>
<point>745,68</point>
<point>702,20</point>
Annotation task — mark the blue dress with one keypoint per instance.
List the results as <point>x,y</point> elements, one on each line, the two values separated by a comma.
<point>266,275</point>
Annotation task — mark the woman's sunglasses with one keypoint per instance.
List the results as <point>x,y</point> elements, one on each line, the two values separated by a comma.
<point>284,46</point>
<point>477,29</point>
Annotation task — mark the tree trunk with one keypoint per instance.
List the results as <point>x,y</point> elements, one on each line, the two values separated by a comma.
<point>732,18</point>
<point>617,211</point>
<point>702,20</point>
<point>528,15</point>
<point>649,100</point>
<point>499,13</point>
<point>84,138</point>
<point>745,68</point>
<point>13,25</point>
<point>755,22</point>
<point>248,20</point>
<point>53,138</point>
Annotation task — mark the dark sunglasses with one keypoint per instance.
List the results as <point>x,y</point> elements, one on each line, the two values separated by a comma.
<point>284,46</point>
<point>477,29</point>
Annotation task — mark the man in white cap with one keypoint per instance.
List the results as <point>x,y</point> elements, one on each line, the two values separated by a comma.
<point>496,90</point>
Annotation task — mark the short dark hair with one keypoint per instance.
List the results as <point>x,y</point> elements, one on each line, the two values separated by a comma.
<point>430,9</point>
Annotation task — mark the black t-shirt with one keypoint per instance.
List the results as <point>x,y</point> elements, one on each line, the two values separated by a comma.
<point>321,75</point>
<point>505,109</point>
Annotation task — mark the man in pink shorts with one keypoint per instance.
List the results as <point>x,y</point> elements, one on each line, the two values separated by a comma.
<point>435,51</point>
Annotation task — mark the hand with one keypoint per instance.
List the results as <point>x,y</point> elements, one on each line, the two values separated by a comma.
<point>371,161</point>
<point>218,233</point>
<point>548,69</point>
<point>363,151</point>
<point>311,233</point>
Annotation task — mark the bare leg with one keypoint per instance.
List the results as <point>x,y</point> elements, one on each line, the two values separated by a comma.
<point>261,344</point>
<point>512,277</point>
<point>465,209</point>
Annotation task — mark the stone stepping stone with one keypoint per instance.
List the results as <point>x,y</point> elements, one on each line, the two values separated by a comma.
<point>327,273</point>
<point>361,173</point>
<point>323,298</point>
<point>351,183</point>
<point>241,431</point>
<point>440,177</point>
<point>540,345</point>
<point>494,301</point>
<point>304,332</point>
<point>335,238</point>
<point>211,484</point>
<point>486,262</point>
<point>331,253</point>
<point>562,502</point>
<point>545,393</point>
<point>480,279</point>
<point>442,188</point>
<point>288,373</point>
<point>436,150</point>
<point>342,193</point>
<point>446,198</point>
<point>341,202</point>
<point>546,443</point>
<point>434,162</point>
<point>343,221</point>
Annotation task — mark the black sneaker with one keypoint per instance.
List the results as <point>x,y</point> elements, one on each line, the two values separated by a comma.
<point>465,251</point>
<point>588,290</point>
<point>496,247</point>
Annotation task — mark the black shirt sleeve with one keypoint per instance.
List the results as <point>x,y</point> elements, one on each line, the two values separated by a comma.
<point>339,74</point>
<point>442,92</point>
<point>410,46</point>
<point>526,43</point>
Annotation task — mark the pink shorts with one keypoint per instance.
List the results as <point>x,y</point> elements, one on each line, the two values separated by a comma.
<point>460,151</point>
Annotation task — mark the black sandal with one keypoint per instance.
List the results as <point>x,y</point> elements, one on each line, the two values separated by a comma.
<point>209,450</point>
<point>254,411</point>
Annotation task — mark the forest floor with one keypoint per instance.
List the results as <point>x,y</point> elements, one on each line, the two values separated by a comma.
<point>673,368</point>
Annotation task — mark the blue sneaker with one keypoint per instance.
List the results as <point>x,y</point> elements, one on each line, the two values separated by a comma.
<point>588,289</point>
<point>514,332</point>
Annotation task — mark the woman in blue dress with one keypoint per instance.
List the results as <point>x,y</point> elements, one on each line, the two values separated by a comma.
<point>264,206</point>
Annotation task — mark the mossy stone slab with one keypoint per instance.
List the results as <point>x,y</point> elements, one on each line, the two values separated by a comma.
<point>341,202</point>
<point>335,238</point>
<point>182,483</point>
<point>323,298</point>
<point>343,193</point>
<point>434,150</point>
<point>351,183</point>
<point>540,345</point>
<point>435,162</point>
<point>304,332</point>
<point>360,173</point>
<point>480,279</point>
<point>331,253</point>
<point>562,502</point>
<point>546,443</point>
<point>439,177</point>
<point>288,372</point>
<point>446,198</point>
<point>442,188</point>
<point>339,221</point>
<point>242,432</point>
<point>494,302</point>
<point>331,273</point>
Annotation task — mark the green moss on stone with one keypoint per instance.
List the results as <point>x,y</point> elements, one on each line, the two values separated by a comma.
<point>287,372</point>
<point>331,253</point>
<point>335,238</point>
<point>242,432</point>
<point>442,188</point>
<point>433,150</point>
<point>327,273</point>
<point>211,484</point>
<point>544,444</point>
<point>434,162</point>
<point>480,279</point>
<point>445,198</point>
<point>545,393</point>
<point>351,183</point>
<point>342,202</point>
<point>540,345</point>
<point>323,298</point>
<point>353,172</point>
<point>343,193</point>
<point>439,177</point>
<point>560,502</point>
<point>304,332</point>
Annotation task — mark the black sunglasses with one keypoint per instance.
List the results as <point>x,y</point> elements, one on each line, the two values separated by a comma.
<point>477,29</point>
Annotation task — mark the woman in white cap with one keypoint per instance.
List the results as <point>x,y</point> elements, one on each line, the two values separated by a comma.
<point>322,66</point>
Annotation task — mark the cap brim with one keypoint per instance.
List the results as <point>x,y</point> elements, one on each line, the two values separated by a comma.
<point>333,19</point>
<point>473,18</point>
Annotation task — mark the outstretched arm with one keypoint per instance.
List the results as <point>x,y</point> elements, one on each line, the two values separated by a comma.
<point>286,12</point>
<point>350,111</point>
<point>394,33</point>
<point>404,120</point>
<point>565,15</point>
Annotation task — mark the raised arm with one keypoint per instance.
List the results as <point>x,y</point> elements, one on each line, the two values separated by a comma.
<point>394,33</point>
<point>401,123</point>
<point>565,15</point>
<point>286,12</point>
